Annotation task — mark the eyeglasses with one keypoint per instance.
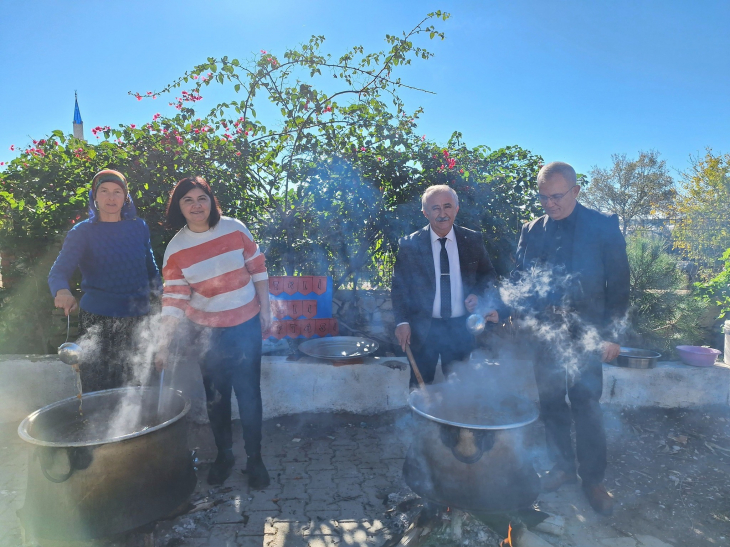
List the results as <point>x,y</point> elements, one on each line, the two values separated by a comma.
<point>555,197</point>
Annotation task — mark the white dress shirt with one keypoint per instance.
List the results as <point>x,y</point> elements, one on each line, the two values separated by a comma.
<point>457,287</point>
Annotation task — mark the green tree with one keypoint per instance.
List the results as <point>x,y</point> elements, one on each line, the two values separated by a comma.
<point>716,291</point>
<point>702,230</point>
<point>662,315</point>
<point>632,189</point>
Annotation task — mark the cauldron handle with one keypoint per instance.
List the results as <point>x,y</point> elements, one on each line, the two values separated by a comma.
<point>78,458</point>
<point>44,456</point>
<point>484,441</point>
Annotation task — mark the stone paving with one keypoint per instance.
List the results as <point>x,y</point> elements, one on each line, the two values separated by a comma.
<point>331,478</point>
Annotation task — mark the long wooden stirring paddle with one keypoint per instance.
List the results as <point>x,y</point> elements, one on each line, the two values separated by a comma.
<point>414,366</point>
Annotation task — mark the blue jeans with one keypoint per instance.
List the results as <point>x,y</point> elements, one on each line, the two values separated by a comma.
<point>232,362</point>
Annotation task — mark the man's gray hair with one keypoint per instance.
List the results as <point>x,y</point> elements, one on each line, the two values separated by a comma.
<point>561,168</point>
<point>438,188</point>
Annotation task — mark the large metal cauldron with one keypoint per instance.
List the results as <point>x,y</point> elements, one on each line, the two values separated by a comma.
<point>468,449</point>
<point>115,468</point>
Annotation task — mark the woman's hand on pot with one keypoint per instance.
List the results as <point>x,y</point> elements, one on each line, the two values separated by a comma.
<point>66,301</point>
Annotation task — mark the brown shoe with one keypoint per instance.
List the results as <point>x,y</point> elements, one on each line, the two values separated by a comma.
<point>601,500</point>
<point>555,478</point>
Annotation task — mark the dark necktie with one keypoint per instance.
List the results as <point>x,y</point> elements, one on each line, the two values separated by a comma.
<point>445,282</point>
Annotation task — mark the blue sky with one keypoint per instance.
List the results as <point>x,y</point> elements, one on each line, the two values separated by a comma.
<point>569,80</point>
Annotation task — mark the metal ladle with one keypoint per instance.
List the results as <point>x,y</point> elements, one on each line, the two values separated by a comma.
<point>475,323</point>
<point>69,352</point>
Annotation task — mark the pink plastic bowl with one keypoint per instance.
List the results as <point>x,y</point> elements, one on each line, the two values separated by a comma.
<point>698,356</point>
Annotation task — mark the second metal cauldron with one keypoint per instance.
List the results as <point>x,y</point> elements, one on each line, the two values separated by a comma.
<point>471,454</point>
<point>88,478</point>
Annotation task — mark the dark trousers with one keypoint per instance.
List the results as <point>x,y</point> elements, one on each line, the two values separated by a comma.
<point>232,362</point>
<point>109,351</point>
<point>448,339</point>
<point>584,392</point>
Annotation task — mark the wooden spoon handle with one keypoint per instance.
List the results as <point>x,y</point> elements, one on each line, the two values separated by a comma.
<point>414,366</point>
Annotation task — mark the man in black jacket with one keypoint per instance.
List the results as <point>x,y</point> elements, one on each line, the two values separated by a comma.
<point>588,295</point>
<point>439,273</point>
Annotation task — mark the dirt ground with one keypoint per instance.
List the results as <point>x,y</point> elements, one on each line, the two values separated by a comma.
<point>670,470</point>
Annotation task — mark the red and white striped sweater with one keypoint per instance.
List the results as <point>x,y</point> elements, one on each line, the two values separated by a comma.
<point>209,276</point>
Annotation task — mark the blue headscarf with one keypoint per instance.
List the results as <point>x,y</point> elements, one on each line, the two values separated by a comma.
<point>129,211</point>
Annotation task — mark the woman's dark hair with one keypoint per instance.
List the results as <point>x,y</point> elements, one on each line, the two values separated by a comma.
<point>175,218</point>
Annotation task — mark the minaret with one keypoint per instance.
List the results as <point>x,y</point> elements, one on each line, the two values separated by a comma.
<point>78,123</point>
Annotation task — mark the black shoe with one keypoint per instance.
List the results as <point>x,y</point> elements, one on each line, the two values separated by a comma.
<point>221,468</point>
<point>601,500</point>
<point>258,476</point>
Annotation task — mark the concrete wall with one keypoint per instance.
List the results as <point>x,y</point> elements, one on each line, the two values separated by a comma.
<point>310,385</point>
<point>288,387</point>
<point>670,385</point>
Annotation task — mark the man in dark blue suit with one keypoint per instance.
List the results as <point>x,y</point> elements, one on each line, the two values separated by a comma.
<point>440,271</point>
<point>589,295</point>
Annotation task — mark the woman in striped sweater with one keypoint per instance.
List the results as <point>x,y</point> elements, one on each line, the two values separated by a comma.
<point>216,301</point>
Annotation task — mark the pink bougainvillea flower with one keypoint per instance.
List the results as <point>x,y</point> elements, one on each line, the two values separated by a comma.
<point>263,52</point>
<point>423,138</point>
<point>12,147</point>
<point>446,153</point>
<point>132,125</point>
<point>155,117</point>
<point>362,149</point>
<point>195,76</point>
<point>149,93</point>
<point>238,153</point>
<point>139,97</point>
<point>461,170</point>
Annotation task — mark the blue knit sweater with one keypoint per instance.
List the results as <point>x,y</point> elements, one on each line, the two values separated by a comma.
<point>118,270</point>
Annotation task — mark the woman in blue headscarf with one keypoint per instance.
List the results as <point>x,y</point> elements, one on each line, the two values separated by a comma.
<point>118,274</point>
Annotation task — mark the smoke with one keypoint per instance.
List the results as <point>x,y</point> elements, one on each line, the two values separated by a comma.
<point>542,312</point>
<point>122,353</point>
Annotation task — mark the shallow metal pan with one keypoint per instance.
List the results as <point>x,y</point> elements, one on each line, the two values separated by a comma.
<point>339,348</point>
<point>637,358</point>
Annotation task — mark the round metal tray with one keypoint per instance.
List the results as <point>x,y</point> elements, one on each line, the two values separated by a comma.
<point>339,348</point>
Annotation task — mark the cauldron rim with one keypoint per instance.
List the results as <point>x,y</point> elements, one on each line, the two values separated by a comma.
<point>411,402</point>
<point>25,425</point>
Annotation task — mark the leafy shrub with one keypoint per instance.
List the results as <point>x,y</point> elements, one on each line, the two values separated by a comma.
<point>662,314</point>
<point>716,291</point>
